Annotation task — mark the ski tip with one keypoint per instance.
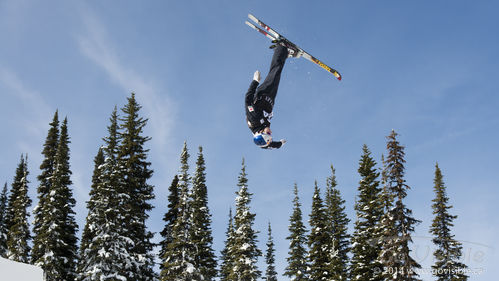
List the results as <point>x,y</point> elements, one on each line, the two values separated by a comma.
<point>338,76</point>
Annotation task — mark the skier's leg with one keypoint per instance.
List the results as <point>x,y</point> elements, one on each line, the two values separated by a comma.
<point>268,89</point>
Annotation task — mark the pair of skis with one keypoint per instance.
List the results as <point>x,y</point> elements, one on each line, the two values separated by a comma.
<point>275,37</point>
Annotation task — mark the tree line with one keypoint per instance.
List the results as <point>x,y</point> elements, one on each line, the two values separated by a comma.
<point>116,245</point>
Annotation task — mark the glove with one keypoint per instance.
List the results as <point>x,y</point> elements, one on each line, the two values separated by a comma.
<point>256,76</point>
<point>283,141</point>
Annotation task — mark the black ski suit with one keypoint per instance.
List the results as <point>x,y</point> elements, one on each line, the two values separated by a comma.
<point>259,100</point>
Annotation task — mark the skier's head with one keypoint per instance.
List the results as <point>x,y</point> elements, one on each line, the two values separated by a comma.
<point>262,139</point>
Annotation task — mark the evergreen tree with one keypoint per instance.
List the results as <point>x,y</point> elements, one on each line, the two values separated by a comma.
<point>88,253</point>
<point>227,261</point>
<point>42,218</point>
<point>297,261</point>
<point>319,255</point>
<point>447,266</point>
<point>18,235</point>
<point>200,232</point>
<point>106,249</point>
<point>244,250</point>
<point>397,222</point>
<point>270,273</point>
<point>338,227</point>
<point>169,218</point>
<point>180,254</point>
<point>59,228</point>
<point>369,209</point>
<point>132,159</point>
<point>3,222</point>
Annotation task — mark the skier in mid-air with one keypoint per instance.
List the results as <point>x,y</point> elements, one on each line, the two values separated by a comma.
<point>260,98</point>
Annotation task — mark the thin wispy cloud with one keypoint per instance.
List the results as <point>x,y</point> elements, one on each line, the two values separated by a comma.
<point>34,119</point>
<point>96,44</point>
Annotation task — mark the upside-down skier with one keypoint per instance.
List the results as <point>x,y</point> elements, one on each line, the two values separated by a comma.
<point>260,98</point>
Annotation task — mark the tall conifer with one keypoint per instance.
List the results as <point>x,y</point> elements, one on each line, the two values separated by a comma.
<point>227,257</point>
<point>180,254</point>
<point>369,210</point>
<point>47,168</point>
<point>297,255</point>
<point>270,273</point>
<point>135,171</point>
<point>398,223</point>
<point>319,255</point>
<point>200,232</point>
<point>338,227</point>
<point>169,218</point>
<point>58,229</point>
<point>244,249</point>
<point>3,221</point>
<point>18,235</point>
<point>106,248</point>
<point>448,266</point>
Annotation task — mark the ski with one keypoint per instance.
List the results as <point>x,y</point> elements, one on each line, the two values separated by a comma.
<point>274,35</point>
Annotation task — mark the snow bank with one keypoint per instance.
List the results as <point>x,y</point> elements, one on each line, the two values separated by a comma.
<point>16,271</point>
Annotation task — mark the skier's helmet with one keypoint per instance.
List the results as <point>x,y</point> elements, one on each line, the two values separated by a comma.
<point>262,139</point>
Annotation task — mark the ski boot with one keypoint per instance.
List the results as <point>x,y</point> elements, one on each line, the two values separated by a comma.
<point>293,51</point>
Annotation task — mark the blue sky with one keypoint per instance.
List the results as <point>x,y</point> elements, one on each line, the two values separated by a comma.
<point>426,69</point>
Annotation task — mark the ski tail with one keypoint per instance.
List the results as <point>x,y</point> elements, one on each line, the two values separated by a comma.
<point>264,26</point>
<point>260,30</point>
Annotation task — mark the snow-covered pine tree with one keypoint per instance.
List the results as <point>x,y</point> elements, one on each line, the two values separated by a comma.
<point>58,230</point>
<point>88,252</point>
<point>369,209</point>
<point>169,218</point>
<point>270,273</point>
<point>105,248</point>
<point>3,226</point>
<point>42,218</point>
<point>297,268</point>
<point>245,251</point>
<point>338,226</point>
<point>180,254</point>
<point>397,222</point>
<point>319,255</point>
<point>18,234</point>
<point>448,266</point>
<point>200,232</point>
<point>132,160</point>
<point>227,262</point>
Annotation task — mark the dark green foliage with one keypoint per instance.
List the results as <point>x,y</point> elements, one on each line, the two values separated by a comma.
<point>369,210</point>
<point>297,260</point>
<point>200,232</point>
<point>59,227</point>
<point>244,250</point>
<point>227,262</point>
<point>179,258</point>
<point>339,246</point>
<point>18,235</point>
<point>270,273</point>
<point>169,218</point>
<point>3,222</point>
<point>397,223</point>
<point>47,170</point>
<point>447,265</point>
<point>135,172</point>
<point>319,255</point>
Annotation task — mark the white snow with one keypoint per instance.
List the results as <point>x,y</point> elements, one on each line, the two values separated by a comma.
<point>15,271</point>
